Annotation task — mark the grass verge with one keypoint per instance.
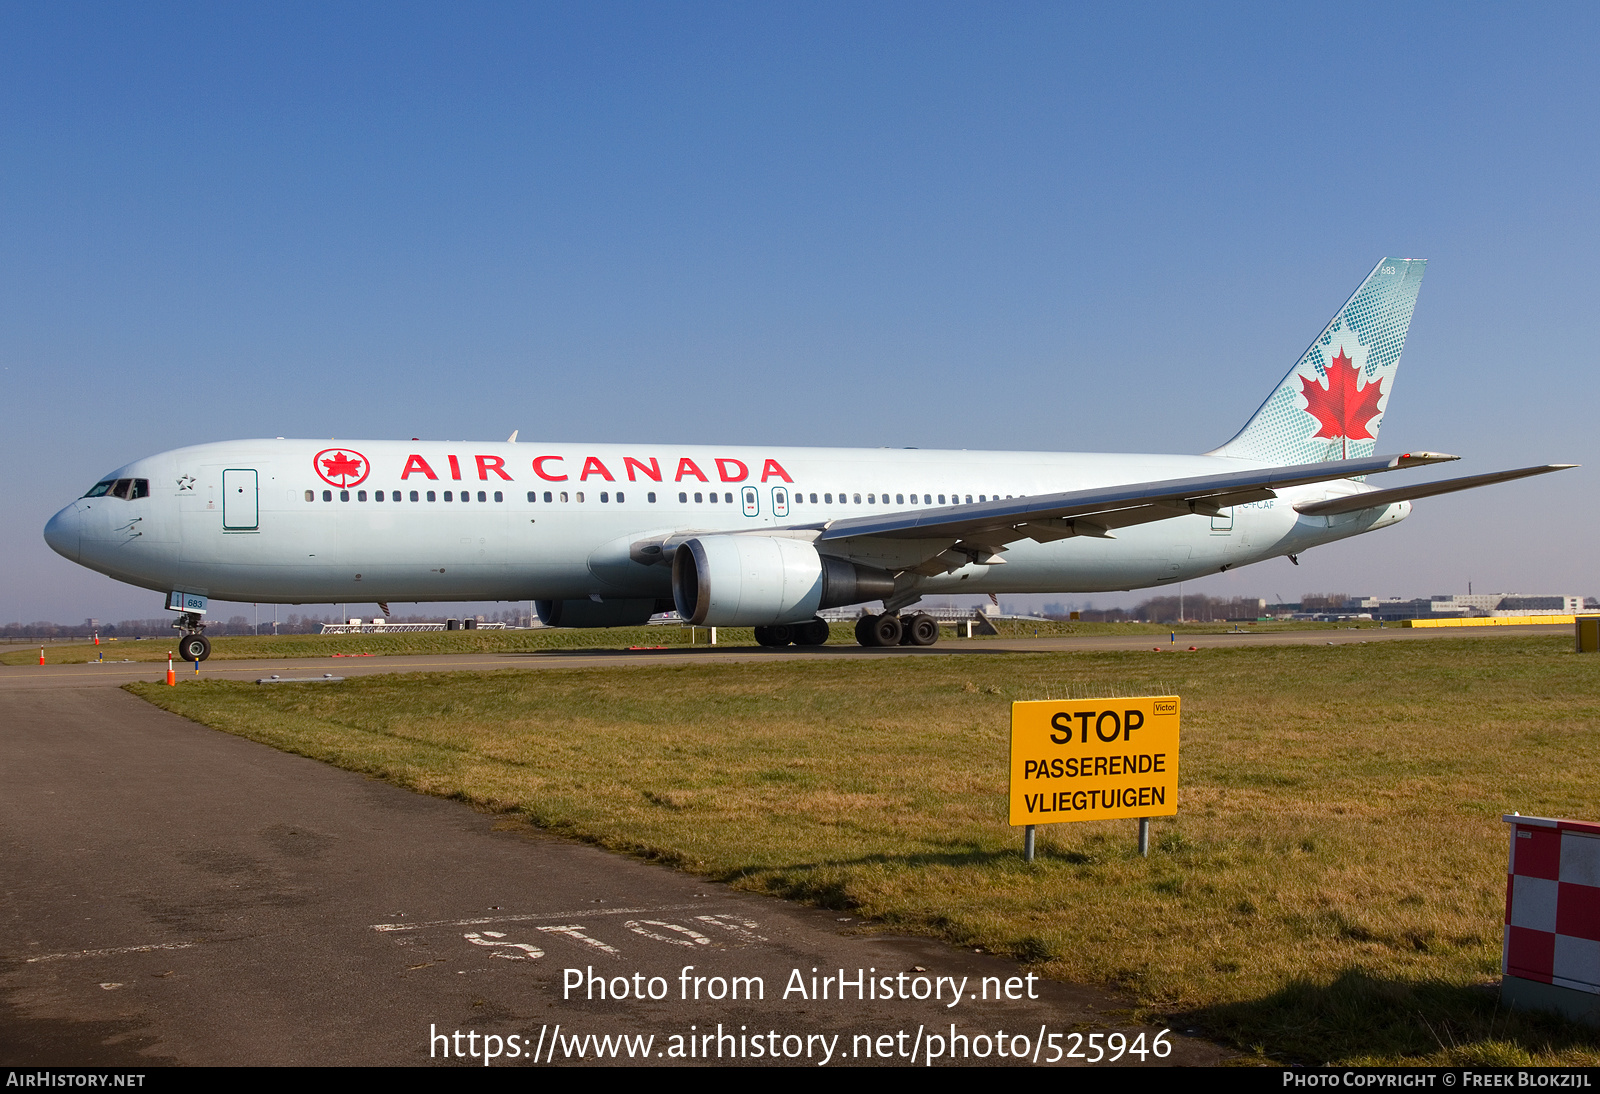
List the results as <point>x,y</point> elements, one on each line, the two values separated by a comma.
<point>1331,890</point>
<point>524,641</point>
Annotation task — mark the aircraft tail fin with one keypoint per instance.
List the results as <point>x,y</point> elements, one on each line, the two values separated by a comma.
<point>1332,401</point>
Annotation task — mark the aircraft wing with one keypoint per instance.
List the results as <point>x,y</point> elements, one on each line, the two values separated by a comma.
<point>1378,498</point>
<point>978,533</point>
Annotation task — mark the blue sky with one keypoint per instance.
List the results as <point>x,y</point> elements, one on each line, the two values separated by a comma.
<point>1013,226</point>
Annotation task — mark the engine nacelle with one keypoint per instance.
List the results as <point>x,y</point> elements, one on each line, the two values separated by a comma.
<point>591,613</point>
<point>758,581</point>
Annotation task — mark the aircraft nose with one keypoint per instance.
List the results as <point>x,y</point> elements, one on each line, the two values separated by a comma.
<point>64,533</point>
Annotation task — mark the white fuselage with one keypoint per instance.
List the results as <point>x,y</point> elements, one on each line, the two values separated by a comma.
<point>267,521</point>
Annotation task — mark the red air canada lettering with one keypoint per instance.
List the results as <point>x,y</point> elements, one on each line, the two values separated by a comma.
<point>487,464</point>
<point>416,464</point>
<point>538,469</point>
<point>549,469</point>
<point>652,472</point>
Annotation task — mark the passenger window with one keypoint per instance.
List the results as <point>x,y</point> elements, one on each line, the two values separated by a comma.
<point>651,497</point>
<point>431,496</point>
<point>482,496</point>
<point>498,496</point>
<point>449,496</point>
<point>361,495</point>
<point>563,495</point>
<point>813,499</point>
<point>683,498</point>
<point>532,496</point>
<point>619,497</point>
<point>941,499</point>
<point>327,495</point>
<point>969,499</point>
<point>857,497</point>
<point>827,499</point>
<point>548,497</point>
<point>344,495</point>
<point>311,495</point>
<point>728,498</point>
<point>713,498</point>
<point>871,499</point>
<point>899,499</point>
<point>413,495</point>
<point>579,495</point>
<point>466,495</point>
<point>604,497</point>
<point>379,496</point>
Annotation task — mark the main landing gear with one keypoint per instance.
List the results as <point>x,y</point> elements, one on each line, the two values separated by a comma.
<point>811,633</point>
<point>193,645</point>
<point>888,629</point>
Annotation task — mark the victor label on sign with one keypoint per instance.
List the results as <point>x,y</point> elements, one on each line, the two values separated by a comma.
<point>1094,759</point>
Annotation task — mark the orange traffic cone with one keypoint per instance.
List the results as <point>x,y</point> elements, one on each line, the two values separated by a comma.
<point>97,638</point>
<point>172,677</point>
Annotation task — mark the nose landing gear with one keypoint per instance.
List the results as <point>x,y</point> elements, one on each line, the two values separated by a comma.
<point>193,645</point>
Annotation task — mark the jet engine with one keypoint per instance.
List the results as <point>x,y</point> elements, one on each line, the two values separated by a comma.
<point>757,581</point>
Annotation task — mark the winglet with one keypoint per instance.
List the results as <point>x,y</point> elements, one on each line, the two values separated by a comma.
<point>1422,459</point>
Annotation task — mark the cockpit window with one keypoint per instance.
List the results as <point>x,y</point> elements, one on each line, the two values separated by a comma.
<point>128,489</point>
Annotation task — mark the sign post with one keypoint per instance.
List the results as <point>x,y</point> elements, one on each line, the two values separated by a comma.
<point>1093,759</point>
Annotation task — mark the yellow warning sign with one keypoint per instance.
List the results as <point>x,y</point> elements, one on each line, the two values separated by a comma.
<point>1094,759</point>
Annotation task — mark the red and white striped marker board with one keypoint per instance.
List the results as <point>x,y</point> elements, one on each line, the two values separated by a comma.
<point>1553,903</point>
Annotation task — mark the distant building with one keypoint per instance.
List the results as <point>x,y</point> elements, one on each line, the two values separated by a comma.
<point>1483,605</point>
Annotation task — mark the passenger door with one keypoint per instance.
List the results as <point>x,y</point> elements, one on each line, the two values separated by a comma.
<point>240,501</point>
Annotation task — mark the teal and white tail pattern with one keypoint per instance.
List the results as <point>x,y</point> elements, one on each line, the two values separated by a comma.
<point>1331,403</point>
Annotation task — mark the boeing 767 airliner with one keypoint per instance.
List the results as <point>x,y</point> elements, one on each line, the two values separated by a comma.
<point>606,535</point>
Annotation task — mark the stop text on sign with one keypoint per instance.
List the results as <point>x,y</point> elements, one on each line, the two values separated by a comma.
<point>1094,759</point>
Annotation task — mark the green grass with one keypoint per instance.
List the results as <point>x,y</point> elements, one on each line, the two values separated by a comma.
<point>381,645</point>
<point>1331,890</point>
<point>523,641</point>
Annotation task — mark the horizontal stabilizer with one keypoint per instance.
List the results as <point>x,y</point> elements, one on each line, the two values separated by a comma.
<point>1376,499</point>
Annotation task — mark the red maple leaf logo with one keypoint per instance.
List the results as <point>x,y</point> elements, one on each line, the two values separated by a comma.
<point>340,467</point>
<point>1340,409</point>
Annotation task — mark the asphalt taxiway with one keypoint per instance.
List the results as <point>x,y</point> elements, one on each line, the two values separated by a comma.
<point>170,894</point>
